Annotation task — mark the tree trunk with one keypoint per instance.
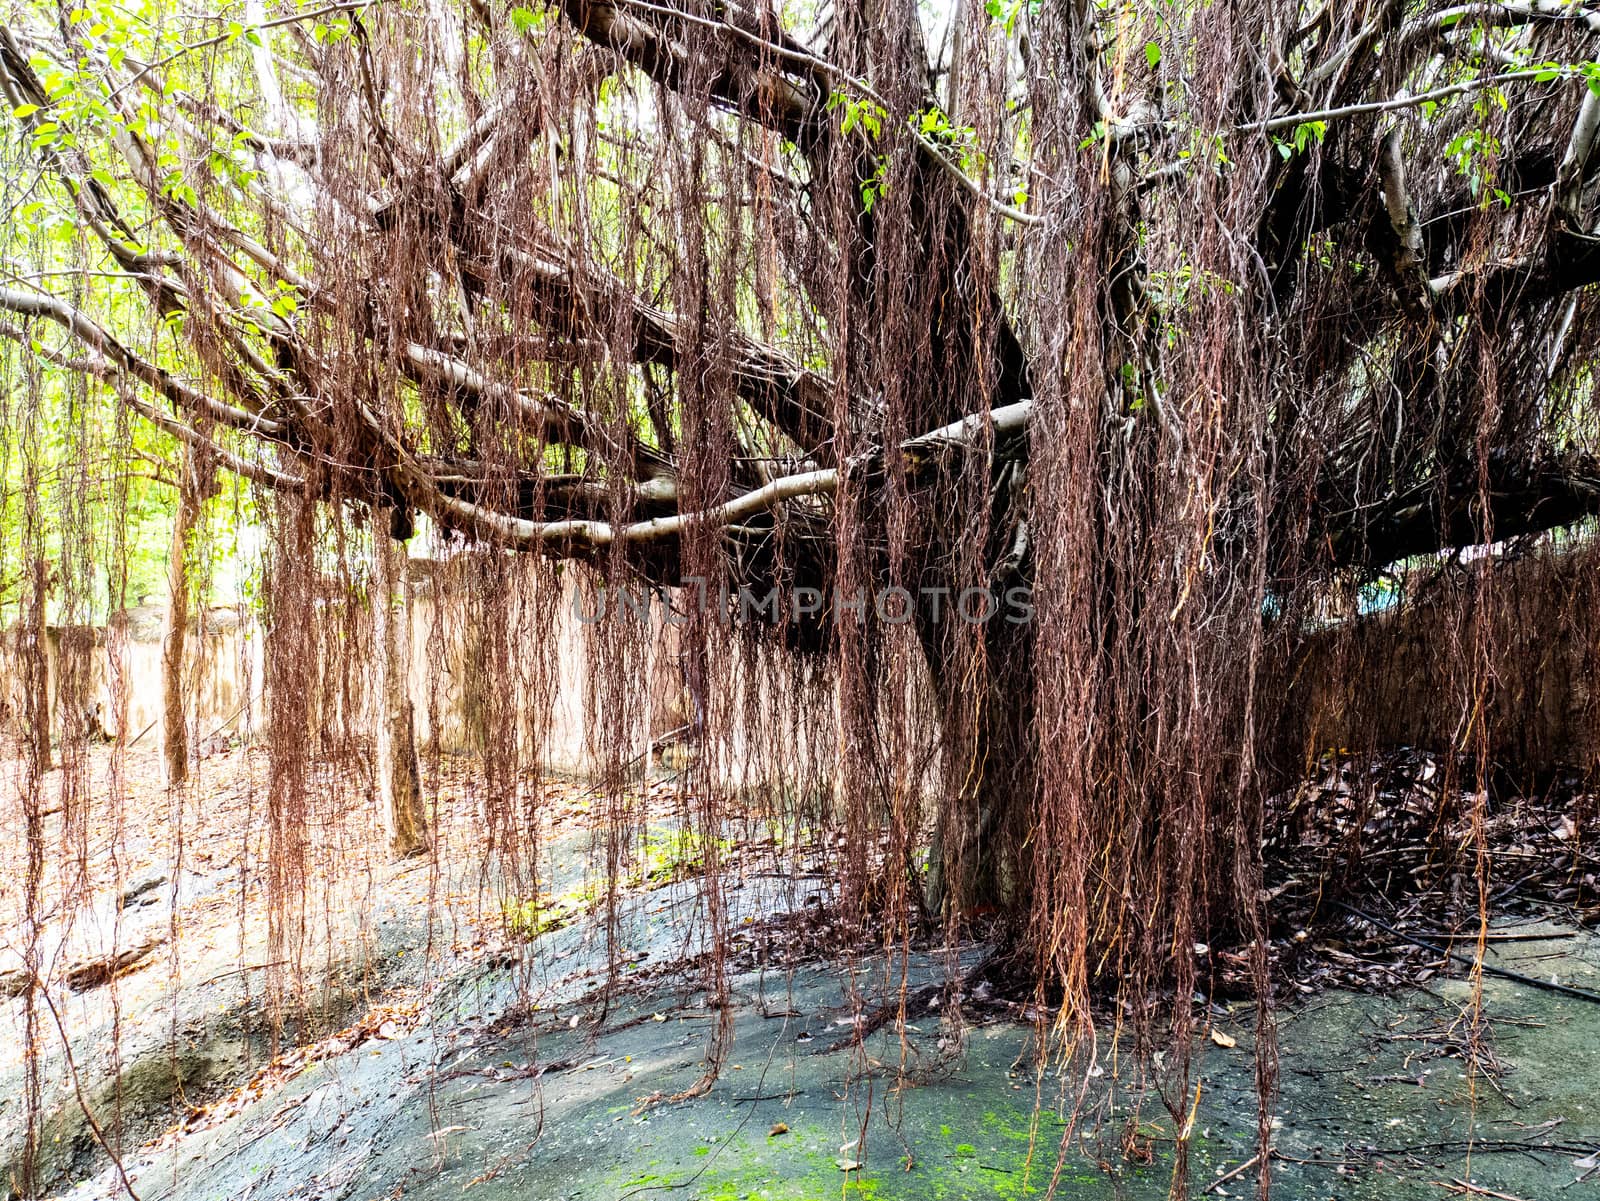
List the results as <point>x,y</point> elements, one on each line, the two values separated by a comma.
<point>175,630</point>
<point>973,865</point>
<point>33,645</point>
<point>398,770</point>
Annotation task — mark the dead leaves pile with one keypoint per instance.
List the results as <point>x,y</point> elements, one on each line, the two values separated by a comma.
<point>1397,835</point>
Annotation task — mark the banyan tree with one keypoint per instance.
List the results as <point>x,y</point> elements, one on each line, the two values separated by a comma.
<point>1016,399</point>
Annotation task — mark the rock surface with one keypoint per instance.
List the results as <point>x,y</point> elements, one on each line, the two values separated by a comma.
<point>512,1086</point>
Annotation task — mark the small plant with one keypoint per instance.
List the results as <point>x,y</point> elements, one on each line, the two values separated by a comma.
<point>536,916</point>
<point>673,856</point>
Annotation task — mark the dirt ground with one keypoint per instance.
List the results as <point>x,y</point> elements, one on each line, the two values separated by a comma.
<point>179,884</point>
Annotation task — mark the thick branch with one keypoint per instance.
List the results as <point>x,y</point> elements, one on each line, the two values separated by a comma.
<point>41,304</point>
<point>759,91</point>
<point>1569,176</point>
<point>1406,261</point>
<point>100,367</point>
<point>560,422</point>
<point>1522,499</point>
<point>1568,260</point>
<point>780,391</point>
<point>579,537</point>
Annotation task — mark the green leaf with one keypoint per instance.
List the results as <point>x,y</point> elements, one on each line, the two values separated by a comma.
<point>1152,54</point>
<point>1307,132</point>
<point>523,20</point>
<point>24,110</point>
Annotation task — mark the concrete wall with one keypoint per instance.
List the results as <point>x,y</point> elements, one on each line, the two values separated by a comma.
<point>453,662</point>
<point>1391,678</point>
<point>543,654</point>
<point>1404,676</point>
<point>229,666</point>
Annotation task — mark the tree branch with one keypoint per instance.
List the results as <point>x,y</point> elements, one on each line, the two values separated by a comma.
<point>1522,499</point>
<point>1405,261</point>
<point>588,536</point>
<point>794,400</point>
<point>1395,104</point>
<point>86,330</point>
<point>100,367</point>
<point>785,102</point>
<point>1569,176</point>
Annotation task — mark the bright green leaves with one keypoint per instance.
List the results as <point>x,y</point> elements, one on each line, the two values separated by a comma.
<point>1549,72</point>
<point>873,186</point>
<point>116,30</point>
<point>236,164</point>
<point>175,187</point>
<point>934,126</point>
<point>332,32</point>
<point>1304,136</point>
<point>239,31</point>
<point>287,300</point>
<point>48,133</point>
<point>1006,13</point>
<point>867,115</point>
<point>1308,132</point>
<point>1473,153</point>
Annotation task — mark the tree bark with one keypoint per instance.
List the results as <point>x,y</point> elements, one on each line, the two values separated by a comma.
<point>399,772</point>
<point>992,774</point>
<point>175,629</point>
<point>33,647</point>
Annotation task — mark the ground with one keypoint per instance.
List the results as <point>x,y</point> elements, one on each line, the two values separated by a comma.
<point>434,1054</point>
